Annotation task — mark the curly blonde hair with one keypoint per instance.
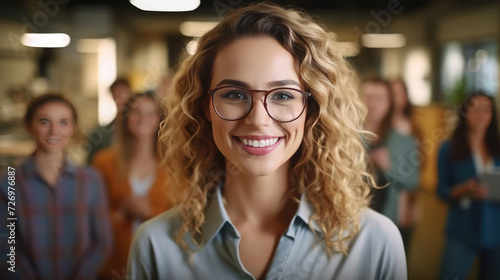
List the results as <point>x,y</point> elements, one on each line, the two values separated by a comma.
<point>330,165</point>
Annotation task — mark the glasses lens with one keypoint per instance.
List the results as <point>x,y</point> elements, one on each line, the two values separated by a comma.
<point>285,105</point>
<point>232,103</point>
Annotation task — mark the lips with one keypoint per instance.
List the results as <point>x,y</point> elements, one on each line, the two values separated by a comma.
<point>258,145</point>
<point>54,141</point>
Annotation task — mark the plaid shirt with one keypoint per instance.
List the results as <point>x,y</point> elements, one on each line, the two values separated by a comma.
<point>61,232</point>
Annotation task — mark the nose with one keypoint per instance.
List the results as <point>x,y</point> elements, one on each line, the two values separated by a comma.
<point>258,116</point>
<point>53,128</point>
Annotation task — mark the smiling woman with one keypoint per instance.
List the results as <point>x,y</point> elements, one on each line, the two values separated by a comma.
<point>264,143</point>
<point>62,208</point>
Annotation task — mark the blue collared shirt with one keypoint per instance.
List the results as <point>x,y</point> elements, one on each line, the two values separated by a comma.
<point>375,253</point>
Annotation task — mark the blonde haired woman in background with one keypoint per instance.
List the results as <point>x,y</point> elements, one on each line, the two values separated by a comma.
<point>133,175</point>
<point>264,142</point>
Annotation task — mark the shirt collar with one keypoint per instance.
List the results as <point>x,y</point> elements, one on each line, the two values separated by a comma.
<point>216,216</point>
<point>305,211</point>
<point>29,166</point>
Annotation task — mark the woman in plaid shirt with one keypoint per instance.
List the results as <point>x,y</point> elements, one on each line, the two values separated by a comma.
<point>62,229</point>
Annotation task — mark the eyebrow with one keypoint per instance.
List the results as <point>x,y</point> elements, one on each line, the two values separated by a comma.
<point>277,83</point>
<point>281,83</point>
<point>233,83</point>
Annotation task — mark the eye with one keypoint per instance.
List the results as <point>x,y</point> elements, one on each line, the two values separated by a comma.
<point>235,95</point>
<point>44,122</point>
<point>282,95</point>
<point>64,122</point>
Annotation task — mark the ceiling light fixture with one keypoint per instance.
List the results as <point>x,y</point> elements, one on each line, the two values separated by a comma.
<point>45,40</point>
<point>166,5</point>
<point>383,40</point>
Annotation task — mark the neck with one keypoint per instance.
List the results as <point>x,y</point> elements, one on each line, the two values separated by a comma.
<point>373,127</point>
<point>143,148</point>
<point>260,200</point>
<point>476,138</point>
<point>49,162</point>
<point>397,115</point>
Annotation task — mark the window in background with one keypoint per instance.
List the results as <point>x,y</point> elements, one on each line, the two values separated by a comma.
<point>467,67</point>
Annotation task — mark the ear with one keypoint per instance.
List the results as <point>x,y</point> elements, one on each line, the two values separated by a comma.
<point>206,111</point>
<point>28,129</point>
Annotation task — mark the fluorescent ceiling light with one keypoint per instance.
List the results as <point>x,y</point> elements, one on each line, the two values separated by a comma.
<point>383,40</point>
<point>45,40</point>
<point>166,5</point>
<point>196,28</point>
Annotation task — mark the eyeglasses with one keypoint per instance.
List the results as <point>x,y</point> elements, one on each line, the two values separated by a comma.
<point>233,103</point>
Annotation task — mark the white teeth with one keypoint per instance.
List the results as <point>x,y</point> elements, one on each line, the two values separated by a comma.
<point>262,143</point>
<point>259,143</point>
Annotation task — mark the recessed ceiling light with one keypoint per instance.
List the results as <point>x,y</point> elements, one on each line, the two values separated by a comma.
<point>166,5</point>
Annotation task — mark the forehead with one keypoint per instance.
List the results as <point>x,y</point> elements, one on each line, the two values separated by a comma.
<point>373,88</point>
<point>254,60</point>
<point>143,100</point>
<point>480,101</point>
<point>54,109</point>
<point>143,103</point>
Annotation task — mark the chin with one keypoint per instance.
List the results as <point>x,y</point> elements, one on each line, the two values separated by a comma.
<point>254,169</point>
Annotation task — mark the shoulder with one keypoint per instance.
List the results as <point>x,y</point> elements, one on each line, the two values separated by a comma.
<point>445,148</point>
<point>25,169</point>
<point>376,225</point>
<point>379,235</point>
<point>446,144</point>
<point>104,156</point>
<point>155,254</point>
<point>400,138</point>
<point>162,228</point>
<point>91,177</point>
<point>87,171</point>
<point>379,245</point>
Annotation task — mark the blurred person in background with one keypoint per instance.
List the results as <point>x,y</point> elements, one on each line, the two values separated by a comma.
<point>62,229</point>
<point>473,226</point>
<point>104,136</point>
<point>263,140</point>
<point>409,211</point>
<point>390,152</point>
<point>133,176</point>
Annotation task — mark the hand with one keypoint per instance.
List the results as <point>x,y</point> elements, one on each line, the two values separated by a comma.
<point>138,207</point>
<point>477,191</point>
<point>470,188</point>
<point>380,157</point>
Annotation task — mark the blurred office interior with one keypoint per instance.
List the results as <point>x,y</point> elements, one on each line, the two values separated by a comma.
<point>441,49</point>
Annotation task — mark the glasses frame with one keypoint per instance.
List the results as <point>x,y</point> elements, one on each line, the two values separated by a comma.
<point>305,95</point>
